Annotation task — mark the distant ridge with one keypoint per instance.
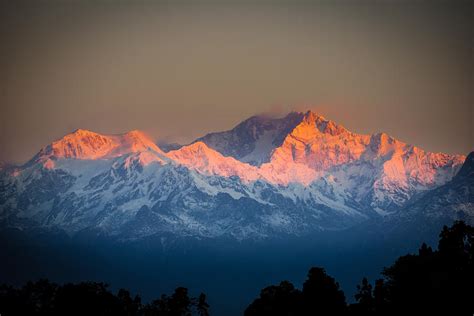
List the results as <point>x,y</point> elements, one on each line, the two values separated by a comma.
<point>293,175</point>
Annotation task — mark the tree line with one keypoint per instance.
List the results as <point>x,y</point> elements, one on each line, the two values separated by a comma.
<point>432,282</point>
<point>93,298</point>
<point>436,282</point>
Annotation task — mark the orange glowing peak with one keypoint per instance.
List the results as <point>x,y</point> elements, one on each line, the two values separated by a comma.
<point>198,156</point>
<point>81,144</point>
<point>312,148</point>
<point>313,123</point>
<point>134,141</point>
<point>85,144</point>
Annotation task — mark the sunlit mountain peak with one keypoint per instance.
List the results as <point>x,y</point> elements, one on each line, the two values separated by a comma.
<point>85,144</point>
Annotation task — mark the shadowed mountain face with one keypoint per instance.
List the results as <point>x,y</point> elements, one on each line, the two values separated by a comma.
<point>467,170</point>
<point>265,178</point>
<point>253,140</point>
<point>455,199</point>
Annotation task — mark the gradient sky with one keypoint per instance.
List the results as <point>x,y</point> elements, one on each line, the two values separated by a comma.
<point>179,71</point>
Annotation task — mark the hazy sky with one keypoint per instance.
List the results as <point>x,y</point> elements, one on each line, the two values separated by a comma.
<point>179,71</point>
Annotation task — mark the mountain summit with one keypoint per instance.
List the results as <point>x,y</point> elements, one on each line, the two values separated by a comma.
<point>253,140</point>
<point>88,145</point>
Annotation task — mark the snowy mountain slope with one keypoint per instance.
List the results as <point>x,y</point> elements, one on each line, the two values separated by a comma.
<point>121,198</point>
<point>315,175</point>
<point>198,156</point>
<point>451,201</point>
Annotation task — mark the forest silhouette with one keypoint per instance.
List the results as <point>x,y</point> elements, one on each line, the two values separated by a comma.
<point>432,282</point>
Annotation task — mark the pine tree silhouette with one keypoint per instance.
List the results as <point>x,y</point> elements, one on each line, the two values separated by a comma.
<point>202,306</point>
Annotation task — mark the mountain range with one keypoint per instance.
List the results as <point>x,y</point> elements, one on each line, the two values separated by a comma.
<point>264,178</point>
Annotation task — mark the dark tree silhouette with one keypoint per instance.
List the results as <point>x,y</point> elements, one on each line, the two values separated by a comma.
<point>90,298</point>
<point>129,306</point>
<point>321,294</point>
<point>437,282</point>
<point>180,303</point>
<point>456,262</point>
<point>278,300</point>
<point>364,298</point>
<point>35,298</point>
<point>381,297</point>
<point>87,298</point>
<point>364,293</point>
<point>202,306</point>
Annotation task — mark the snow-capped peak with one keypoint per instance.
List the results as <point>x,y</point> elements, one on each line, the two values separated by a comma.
<point>134,141</point>
<point>88,145</point>
<point>314,123</point>
<point>198,156</point>
<point>253,140</point>
<point>80,144</point>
